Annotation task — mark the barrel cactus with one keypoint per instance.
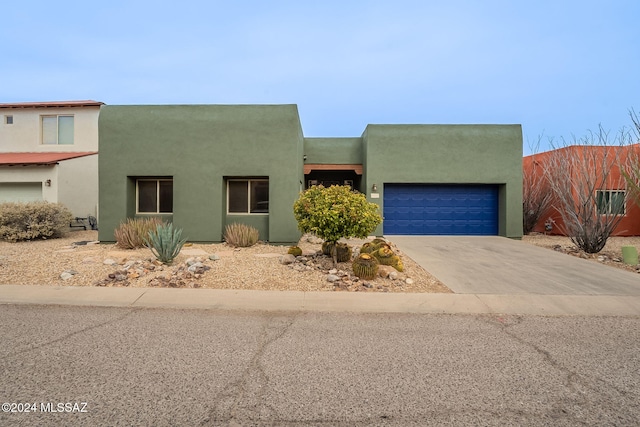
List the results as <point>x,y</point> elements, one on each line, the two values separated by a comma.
<point>367,248</point>
<point>327,247</point>
<point>295,251</point>
<point>384,255</point>
<point>343,252</point>
<point>365,267</point>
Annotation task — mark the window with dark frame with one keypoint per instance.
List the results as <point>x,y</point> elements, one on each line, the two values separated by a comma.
<point>248,196</point>
<point>154,196</point>
<point>610,202</point>
<point>8,120</point>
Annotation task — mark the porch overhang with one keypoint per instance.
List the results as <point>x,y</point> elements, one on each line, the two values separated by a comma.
<point>332,167</point>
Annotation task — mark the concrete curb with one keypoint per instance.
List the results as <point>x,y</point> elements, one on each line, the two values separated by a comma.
<point>221,299</point>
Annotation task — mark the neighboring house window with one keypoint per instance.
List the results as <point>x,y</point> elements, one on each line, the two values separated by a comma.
<point>248,196</point>
<point>8,120</point>
<point>57,130</point>
<point>611,202</point>
<point>154,196</point>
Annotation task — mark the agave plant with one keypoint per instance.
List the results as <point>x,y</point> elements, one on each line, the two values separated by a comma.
<point>165,242</point>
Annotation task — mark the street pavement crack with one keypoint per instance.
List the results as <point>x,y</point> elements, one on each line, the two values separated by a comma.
<point>245,394</point>
<point>71,334</point>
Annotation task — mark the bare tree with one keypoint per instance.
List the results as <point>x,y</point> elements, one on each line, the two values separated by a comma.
<point>536,193</point>
<point>588,188</point>
<point>632,169</point>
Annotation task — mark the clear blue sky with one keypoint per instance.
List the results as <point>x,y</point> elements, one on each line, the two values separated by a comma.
<point>558,67</point>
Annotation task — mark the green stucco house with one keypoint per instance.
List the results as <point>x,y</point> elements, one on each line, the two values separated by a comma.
<point>205,166</point>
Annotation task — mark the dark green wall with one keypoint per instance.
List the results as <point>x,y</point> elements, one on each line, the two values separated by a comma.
<point>455,154</point>
<point>200,145</point>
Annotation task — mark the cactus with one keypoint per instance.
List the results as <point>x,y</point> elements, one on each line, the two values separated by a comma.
<point>343,252</point>
<point>295,251</point>
<point>386,256</point>
<point>367,248</point>
<point>383,255</point>
<point>327,247</point>
<point>365,267</point>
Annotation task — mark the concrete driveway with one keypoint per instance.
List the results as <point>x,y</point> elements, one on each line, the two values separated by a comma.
<point>497,265</point>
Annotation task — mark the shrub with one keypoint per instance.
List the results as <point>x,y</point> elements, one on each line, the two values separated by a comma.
<point>33,220</point>
<point>132,233</point>
<point>165,242</point>
<point>242,235</point>
<point>335,212</point>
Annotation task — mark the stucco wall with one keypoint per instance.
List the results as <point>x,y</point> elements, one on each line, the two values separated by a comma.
<point>25,134</point>
<point>199,146</point>
<point>78,185</point>
<point>438,154</point>
<point>333,150</point>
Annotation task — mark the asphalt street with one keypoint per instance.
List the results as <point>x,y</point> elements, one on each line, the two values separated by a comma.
<point>142,366</point>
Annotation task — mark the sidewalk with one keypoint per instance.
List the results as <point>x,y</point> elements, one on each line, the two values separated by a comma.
<point>585,305</point>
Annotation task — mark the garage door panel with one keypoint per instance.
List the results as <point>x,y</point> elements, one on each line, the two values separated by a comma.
<point>20,192</point>
<point>420,209</point>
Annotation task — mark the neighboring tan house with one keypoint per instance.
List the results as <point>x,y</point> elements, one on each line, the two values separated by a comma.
<point>49,151</point>
<point>205,166</point>
<point>611,195</point>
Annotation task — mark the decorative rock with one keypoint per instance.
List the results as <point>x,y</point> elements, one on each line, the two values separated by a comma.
<point>197,267</point>
<point>333,271</point>
<point>393,275</point>
<point>408,281</point>
<point>109,261</point>
<point>332,278</point>
<point>601,258</point>
<point>66,275</point>
<point>214,257</point>
<point>287,259</point>
<point>385,270</point>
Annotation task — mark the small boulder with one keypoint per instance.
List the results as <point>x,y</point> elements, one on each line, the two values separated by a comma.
<point>287,259</point>
<point>109,261</point>
<point>214,257</point>
<point>332,278</point>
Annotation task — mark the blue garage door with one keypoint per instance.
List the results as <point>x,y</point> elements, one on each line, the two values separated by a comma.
<point>440,209</point>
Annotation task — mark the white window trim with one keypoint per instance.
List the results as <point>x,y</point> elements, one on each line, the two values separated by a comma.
<point>624,205</point>
<point>156,180</point>
<point>57,116</point>
<point>248,181</point>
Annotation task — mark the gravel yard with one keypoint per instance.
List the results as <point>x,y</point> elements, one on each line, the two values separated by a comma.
<point>42,262</point>
<point>611,255</point>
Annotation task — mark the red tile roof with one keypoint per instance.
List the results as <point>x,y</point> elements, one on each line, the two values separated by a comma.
<point>54,104</point>
<point>24,159</point>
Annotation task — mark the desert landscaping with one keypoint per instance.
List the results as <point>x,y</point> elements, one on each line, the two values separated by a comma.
<point>77,259</point>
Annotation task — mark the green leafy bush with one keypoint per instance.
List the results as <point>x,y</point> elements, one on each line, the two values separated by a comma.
<point>242,235</point>
<point>334,213</point>
<point>165,242</point>
<point>33,220</point>
<point>132,233</point>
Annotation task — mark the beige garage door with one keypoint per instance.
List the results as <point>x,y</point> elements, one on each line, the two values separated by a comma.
<point>20,191</point>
